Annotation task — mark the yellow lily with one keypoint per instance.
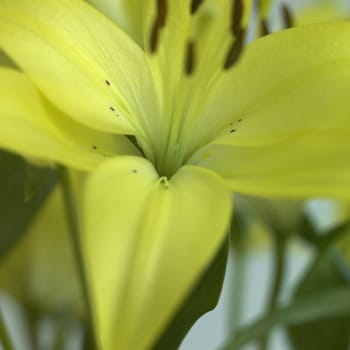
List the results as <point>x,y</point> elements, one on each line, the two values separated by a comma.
<point>203,124</point>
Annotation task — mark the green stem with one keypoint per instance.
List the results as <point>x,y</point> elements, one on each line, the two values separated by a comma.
<point>239,250</point>
<point>75,240</point>
<point>59,339</point>
<point>279,252</point>
<point>32,314</point>
<point>279,266</point>
<point>4,334</point>
<point>237,287</point>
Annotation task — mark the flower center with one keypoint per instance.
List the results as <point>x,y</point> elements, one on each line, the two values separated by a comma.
<point>190,44</point>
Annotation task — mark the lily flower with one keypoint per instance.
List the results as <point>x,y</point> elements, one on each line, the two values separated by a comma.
<point>204,122</point>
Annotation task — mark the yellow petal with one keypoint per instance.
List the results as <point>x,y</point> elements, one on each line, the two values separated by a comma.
<point>288,134</point>
<point>312,164</point>
<point>81,61</point>
<point>126,13</point>
<point>32,127</point>
<point>146,241</point>
<point>286,84</point>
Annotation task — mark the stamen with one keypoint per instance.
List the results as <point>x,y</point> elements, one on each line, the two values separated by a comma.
<point>235,50</point>
<point>232,131</point>
<point>287,16</point>
<point>162,12</point>
<point>158,24</point>
<point>190,58</point>
<point>236,16</point>
<point>108,83</point>
<point>264,27</point>
<point>112,109</point>
<point>195,4</point>
<point>154,38</point>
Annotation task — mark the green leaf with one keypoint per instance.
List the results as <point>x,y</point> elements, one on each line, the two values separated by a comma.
<point>328,333</point>
<point>203,298</point>
<point>334,302</point>
<point>16,213</point>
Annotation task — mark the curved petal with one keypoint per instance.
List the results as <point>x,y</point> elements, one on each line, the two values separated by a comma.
<point>29,125</point>
<point>313,164</point>
<point>146,243</point>
<point>81,61</point>
<point>287,83</point>
<point>126,13</point>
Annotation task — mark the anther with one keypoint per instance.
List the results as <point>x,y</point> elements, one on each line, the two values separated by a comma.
<point>190,58</point>
<point>235,50</point>
<point>287,16</point>
<point>236,17</point>
<point>158,24</point>
<point>162,12</point>
<point>240,119</point>
<point>264,27</point>
<point>154,38</point>
<point>232,131</point>
<point>94,147</point>
<point>112,109</point>
<point>108,82</point>
<point>195,4</point>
